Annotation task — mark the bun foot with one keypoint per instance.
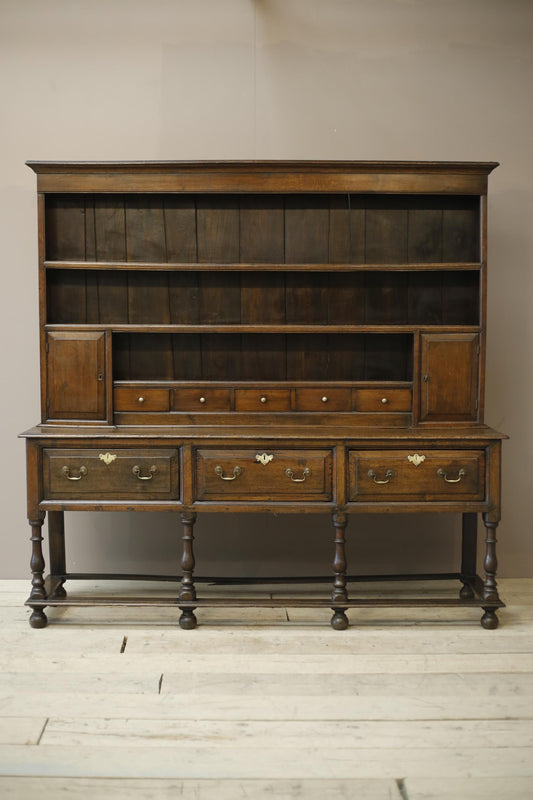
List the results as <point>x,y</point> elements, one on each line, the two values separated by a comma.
<point>188,620</point>
<point>466,592</point>
<point>489,620</point>
<point>339,620</point>
<point>38,618</point>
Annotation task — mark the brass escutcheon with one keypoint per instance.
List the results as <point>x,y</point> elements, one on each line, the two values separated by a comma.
<point>263,458</point>
<point>416,459</point>
<point>107,458</point>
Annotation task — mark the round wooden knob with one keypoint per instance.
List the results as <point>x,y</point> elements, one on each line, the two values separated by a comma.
<point>263,399</point>
<point>324,399</point>
<point>384,400</point>
<point>140,399</point>
<point>202,399</point>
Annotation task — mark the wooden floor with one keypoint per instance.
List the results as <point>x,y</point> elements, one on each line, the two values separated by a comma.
<point>406,704</point>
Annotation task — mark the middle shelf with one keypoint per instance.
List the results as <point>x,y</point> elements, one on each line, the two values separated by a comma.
<point>215,298</point>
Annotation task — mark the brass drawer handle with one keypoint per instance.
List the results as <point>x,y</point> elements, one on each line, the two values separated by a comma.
<point>389,475</point>
<point>290,474</point>
<point>442,474</point>
<point>66,473</point>
<point>220,472</point>
<point>137,472</point>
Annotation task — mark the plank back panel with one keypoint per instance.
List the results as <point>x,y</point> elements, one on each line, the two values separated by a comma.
<point>262,229</point>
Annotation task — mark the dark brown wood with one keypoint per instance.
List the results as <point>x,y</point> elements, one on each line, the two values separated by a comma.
<point>76,376</point>
<point>120,473</point>
<point>38,617</point>
<point>56,546</point>
<point>468,555</point>
<point>434,475</point>
<point>449,374</point>
<point>242,475</point>
<point>187,591</point>
<point>292,337</point>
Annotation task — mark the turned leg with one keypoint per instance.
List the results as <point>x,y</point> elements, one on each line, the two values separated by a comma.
<point>56,546</point>
<point>38,617</point>
<point>339,595</point>
<point>468,555</point>
<point>187,590</point>
<point>489,619</point>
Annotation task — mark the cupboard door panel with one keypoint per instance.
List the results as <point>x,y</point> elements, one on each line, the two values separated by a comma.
<point>449,370</point>
<point>76,367</point>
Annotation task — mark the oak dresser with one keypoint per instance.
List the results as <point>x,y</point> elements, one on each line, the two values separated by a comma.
<point>288,337</point>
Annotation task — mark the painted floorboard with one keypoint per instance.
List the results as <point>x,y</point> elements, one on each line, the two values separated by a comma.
<point>264,763</point>
<point>452,734</point>
<point>157,789</point>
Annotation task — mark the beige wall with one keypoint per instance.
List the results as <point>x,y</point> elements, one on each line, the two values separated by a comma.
<point>353,79</point>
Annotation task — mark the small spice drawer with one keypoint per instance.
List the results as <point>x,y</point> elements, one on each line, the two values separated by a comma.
<point>323,399</point>
<point>263,475</point>
<point>201,399</point>
<point>117,474</point>
<point>140,399</point>
<point>262,400</point>
<point>382,399</point>
<point>409,475</point>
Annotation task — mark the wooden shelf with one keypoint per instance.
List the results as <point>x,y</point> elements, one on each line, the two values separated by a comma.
<point>127,328</point>
<point>264,267</point>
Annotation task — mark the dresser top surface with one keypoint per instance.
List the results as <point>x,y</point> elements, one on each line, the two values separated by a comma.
<point>257,433</point>
<point>91,167</point>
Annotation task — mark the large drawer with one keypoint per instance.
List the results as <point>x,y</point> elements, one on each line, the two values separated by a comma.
<point>118,474</point>
<point>397,475</point>
<point>263,475</point>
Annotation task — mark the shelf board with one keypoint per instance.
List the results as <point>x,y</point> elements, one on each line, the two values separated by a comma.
<point>173,384</point>
<point>196,267</point>
<point>286,329</point>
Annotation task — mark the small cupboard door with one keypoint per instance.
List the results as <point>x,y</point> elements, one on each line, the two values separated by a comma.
<point>449,375</point>
<point>76,375</point>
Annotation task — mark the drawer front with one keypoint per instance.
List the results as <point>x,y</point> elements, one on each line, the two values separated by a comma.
<point>202,400</point>
<point>262,400</point>
<point>264,475</point>
<point>382,399</point>
<point>323,399</point>
<point>410,475</point>
<point>117,474</point>
<point>128,399</point>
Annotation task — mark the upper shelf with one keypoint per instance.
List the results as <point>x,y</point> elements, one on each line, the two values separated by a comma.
<point>444,177</point>
<point>284,229</point>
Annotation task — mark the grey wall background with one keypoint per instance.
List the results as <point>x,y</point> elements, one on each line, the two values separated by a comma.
<point>349,79</point>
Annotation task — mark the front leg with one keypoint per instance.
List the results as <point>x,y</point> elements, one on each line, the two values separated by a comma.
<point>187,591</point>
<point>38,617</point>
<point>489,620</point>
<point>339,595</point>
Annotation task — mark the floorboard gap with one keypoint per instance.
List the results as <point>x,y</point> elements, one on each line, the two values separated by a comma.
<point>400,783</point>
<point>47,720</point>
